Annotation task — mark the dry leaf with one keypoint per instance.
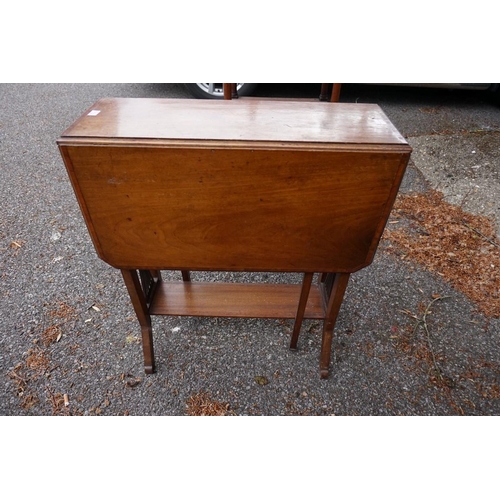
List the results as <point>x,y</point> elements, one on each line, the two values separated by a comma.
<point>261,380</point>
<point>134,381</point>
<point>202,404</point>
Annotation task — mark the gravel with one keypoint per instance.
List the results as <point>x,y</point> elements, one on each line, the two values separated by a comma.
<point>50,277</point>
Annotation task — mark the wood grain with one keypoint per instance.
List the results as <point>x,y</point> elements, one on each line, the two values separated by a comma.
<point>243,185</point>
<point>236,300</point>
<point>241,120</point>
<point>247,210</point>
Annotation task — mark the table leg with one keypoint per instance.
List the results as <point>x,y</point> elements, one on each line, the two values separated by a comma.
<point>304,295</point>
<point>186,276</point>
<point>149,280</point>
<point>332,311</point>
<point>155,274</point>
<point>141,310</point>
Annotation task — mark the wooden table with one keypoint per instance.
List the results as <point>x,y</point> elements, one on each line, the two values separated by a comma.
<point>241,185</point>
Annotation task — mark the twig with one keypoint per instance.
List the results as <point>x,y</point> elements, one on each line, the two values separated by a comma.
<point>481,234</point>
<point>423,321</point>
<point>465,197</point>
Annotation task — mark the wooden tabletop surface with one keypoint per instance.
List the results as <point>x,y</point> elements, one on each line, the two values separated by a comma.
<point>251,120</point>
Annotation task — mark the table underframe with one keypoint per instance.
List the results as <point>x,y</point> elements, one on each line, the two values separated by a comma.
<point>151,295</point>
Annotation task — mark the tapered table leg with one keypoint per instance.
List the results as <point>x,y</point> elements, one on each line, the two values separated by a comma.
<point>141,310</point>
<point>335,92</point>
<point>332,312</point>
<point>304,295</point>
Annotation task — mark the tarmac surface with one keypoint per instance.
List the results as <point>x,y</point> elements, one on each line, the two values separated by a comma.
<point>407,341</point>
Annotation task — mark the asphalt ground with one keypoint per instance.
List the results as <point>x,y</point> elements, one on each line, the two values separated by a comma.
<point>70,342</point>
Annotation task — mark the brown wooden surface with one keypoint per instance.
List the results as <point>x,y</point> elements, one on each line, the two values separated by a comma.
<point>251,210</point>
<point>236,300</point>
<point>236,120</point>
<point>335,92</point>
<point>237,186</point>
<point>301,307</point>
<point>139,303</point>
<point>336,297</point>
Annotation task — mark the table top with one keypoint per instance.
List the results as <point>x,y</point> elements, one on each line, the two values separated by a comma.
<point>244,120</point>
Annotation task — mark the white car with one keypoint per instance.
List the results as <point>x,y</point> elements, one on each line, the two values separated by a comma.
<point>215,90</point>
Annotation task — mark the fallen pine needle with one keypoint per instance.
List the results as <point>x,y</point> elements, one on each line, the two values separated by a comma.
<point>460,247</point>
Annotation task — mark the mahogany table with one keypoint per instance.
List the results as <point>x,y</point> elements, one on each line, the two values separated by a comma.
<point>239,185</point>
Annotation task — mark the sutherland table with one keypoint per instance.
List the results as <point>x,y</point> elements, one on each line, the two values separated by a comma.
<point>260,186</point>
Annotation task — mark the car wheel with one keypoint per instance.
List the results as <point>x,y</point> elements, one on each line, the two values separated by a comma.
<point>215,90</point>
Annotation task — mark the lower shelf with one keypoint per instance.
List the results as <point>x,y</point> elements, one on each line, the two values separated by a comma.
<point>234,300</point>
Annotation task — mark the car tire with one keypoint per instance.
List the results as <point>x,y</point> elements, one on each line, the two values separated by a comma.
<point>215,90</point>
